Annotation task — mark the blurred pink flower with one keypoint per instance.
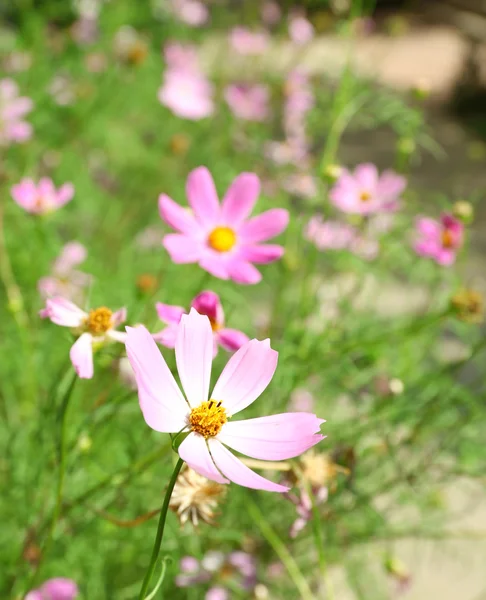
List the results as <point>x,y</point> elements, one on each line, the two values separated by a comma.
<point>301,31</point>
<point>303,504</point>
<point>221,238</point>
<point>365,192</point>
<point>187,94</point>
<point>271,12</point>
<point>329,235</point>
<point>302,185</point>
<point>191,12</point>
<point>41,198</point>
<point>58,588</point>
<point>206,303</point>
<point>94,328</point>
<point>439,240</point>
<point>248,43</point>
<point>65,280</point>
<point>239,566</point>
<point>248,102</point>
<point>13,109</point>
<point>181,56</point>
<point>206,418</point>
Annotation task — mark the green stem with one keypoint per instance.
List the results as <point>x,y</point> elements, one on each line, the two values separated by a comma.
<point>61,475</point>
<point>281,551</point>
<point>160,531</point>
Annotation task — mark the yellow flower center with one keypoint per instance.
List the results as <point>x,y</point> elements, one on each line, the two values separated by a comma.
<point>447,238</point>
<point>365,196</point>
<point>208,418</point>
<point>99,320</point>
<point>222,239</point>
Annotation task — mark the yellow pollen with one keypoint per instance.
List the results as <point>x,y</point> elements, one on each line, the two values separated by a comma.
<point>222,239</point>
<point>365,196</point>
<point>208,418</point>
<point>447,239</point>
<point>99,320</point>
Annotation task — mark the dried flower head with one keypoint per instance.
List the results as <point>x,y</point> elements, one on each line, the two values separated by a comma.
<point>196,498</point>
<point>468,306</point>
<point>317,469</point>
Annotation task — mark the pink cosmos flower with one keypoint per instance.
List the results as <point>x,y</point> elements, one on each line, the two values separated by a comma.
<point>221,238</point>
<point>248,43</point>
<point>41,198</point>
<point>365,192</point>
<point>208,419</point>
<point>439,240</point>
<point>95,328</point>
<point>215,566</point>
<point>187,94</point>
<point>13,109</point>
<point>301,31</point>
<point>58,588</point>
<point>191,12</point>
<point>248,102</point>
<point>206,303</point>
<point>65,280</point>
<point>330,235</point>
<point>181,56</point>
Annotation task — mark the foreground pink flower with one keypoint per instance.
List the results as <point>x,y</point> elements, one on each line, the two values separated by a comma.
<point>58,588</point>
<point>221,238</point>
<point>43,197</point>
<point>246,42</point>
<point>206,303</point>
<point>66,280</point>
<point>366,192</point>
<point>439,240</point>
<point>94,329</point>
<point>248,102</point>
<point>13,109</point>
<point>208,418</point>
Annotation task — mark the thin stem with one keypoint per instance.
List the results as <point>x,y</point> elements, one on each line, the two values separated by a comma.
<point>160,530</point>
<point>281,551</point>
<point>61,475</point>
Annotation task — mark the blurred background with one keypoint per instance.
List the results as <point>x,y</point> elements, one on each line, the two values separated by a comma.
<point>89,61</point>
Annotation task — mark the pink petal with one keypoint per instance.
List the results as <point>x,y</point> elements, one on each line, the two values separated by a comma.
<point>19,131</point>
<point>163,406</point>
<point>240,198</point>
<point>237,472</point>
<point>71,256</point>
<point>177,217</point>
<point>262,254</point>
<point>194,356</point>
<point>46,187</point>
<point>81,355</point>
<point>59,588</point>
<point>217,593</point>
<point>366,176</point>
<point>208,303</point>
<point>246,375</point>
<point>167,337</point>
<point>446,257</point>
<point>231,339</point>
<point>216,265</point>
<point>278,437</point>
<point>118,336</point>
<point>119,317</point>
<point>182,249</point>
<point>194,451</point>
<point>34,595</point>
<point>202,196</point>
<point>429,227</point>
<point>391,185</point>
<point>265,226</point>
<point>243,272</point>
<point>65,194</point>
<point>63,312</point>
<point>169,313</point>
